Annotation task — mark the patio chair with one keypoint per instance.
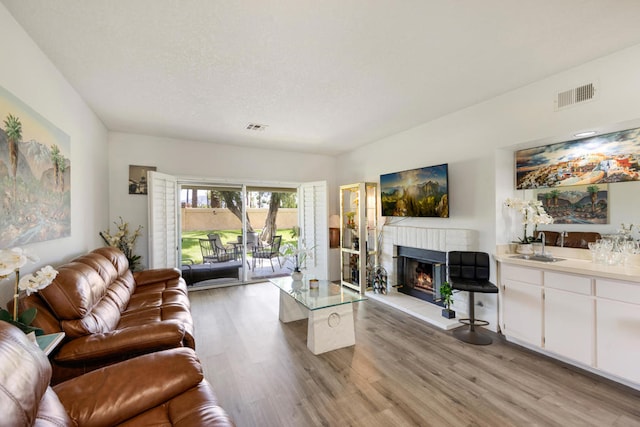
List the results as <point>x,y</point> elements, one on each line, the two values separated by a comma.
<point>252,241</point>
<point>272,250</point>
<point>223,252</point>
<point>208,252</point>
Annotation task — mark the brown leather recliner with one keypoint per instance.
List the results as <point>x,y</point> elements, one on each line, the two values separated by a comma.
<point>110,314</point>
<point>163,388</point>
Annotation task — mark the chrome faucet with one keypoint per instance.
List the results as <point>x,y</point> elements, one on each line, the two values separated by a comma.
<point>542,236</point>
<point>562,236</point>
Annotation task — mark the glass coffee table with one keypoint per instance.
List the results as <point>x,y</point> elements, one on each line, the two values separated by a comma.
<point>328,307</point>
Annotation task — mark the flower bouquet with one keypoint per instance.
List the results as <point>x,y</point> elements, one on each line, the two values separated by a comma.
<point>297,255</point>
<point>11,260</point>
<point>532,214</point>
<point>124,241</point>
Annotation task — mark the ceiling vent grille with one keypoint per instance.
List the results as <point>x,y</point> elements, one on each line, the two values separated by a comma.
<point>256,127</point>
<point>574,96</point>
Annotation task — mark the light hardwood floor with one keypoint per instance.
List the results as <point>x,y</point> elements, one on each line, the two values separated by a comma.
<point>401,372</point>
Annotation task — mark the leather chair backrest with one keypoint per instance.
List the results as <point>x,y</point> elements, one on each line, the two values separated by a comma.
<point>25,373</point>
<point>468,265</point>
<point>90,292</point>
<point>580,239</point>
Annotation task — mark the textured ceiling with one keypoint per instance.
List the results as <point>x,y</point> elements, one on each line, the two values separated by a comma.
<point>324,76</point>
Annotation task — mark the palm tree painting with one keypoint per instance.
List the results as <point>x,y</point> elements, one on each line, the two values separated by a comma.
<point>35,194</point>
<point>580,204</point>
<point>13,130</point>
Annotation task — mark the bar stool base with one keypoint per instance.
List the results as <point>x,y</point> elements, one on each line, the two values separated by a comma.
<point>472,337</point>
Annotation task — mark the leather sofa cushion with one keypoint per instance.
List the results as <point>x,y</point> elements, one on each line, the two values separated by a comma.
<point>196,407</point>
<point>164,388</point>
<point>120,392</point>
<point>25,373</point>
<point>83,302</point>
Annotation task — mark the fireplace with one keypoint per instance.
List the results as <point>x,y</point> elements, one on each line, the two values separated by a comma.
<point>420,273</point>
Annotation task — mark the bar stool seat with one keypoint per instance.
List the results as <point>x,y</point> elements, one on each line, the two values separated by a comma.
<point>469,271</point>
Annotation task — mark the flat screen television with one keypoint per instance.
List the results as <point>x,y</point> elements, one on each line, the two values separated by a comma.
<point>420,192</point>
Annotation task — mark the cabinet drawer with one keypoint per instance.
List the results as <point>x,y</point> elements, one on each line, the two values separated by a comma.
<point>521,274</point>
<point>567,282</point>
<point>618,291</point>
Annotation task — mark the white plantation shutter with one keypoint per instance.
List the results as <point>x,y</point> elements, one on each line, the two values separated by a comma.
<point>163,220</point>
<point>313,211</point>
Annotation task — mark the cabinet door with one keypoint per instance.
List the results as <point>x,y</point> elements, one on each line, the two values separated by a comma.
<point>522,311</point>
<point>618,330</point>
<point>569,325</point>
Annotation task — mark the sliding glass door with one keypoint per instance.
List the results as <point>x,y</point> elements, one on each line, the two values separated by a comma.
<point>236,233</point>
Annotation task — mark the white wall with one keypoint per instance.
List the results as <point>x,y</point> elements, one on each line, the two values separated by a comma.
<point>28,74</point>
<point>478,144</point>
<point>184,158</point>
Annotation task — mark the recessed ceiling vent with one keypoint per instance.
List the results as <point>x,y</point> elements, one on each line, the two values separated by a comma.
<point>256,127</point>
<point>574,96</point>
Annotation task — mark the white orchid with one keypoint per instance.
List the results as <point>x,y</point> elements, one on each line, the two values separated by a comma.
<point>11,261</point>
<point>297,256</point>
<point>532,213</point>
<point>31,283</point>
<point>14,259</point>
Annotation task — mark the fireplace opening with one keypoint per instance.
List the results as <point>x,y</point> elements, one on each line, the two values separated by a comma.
<point>421,272</point>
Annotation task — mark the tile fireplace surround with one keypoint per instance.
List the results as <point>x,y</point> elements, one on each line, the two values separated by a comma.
<point>435,239</point>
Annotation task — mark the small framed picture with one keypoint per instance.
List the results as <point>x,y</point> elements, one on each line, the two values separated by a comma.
<point>138,178</point>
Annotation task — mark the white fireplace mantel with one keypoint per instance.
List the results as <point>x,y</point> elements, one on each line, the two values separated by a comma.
<point>435,239</point>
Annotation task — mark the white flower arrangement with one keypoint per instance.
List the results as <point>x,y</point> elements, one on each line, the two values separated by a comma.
<point>11,261</point>
<point>532,213</point>
<point>124,241</point>
<point>297,256</point>
<point>31,283</point>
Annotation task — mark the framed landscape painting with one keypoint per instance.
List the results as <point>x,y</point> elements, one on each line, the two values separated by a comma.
<point>420,192</point>
<point>583,204</point>
<point>603,159</point>
<point>35,175</point>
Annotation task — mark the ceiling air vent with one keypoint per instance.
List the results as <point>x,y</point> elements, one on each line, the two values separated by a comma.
<point>574,96</point>
<point>256,127</point>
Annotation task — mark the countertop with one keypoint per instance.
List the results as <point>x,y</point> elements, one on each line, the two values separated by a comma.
<point>575,261</point>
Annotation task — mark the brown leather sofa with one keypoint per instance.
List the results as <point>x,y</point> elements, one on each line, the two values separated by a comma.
<point>166,388</point>
<point>110,314</point>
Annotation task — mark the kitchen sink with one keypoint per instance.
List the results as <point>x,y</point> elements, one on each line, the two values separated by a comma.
<point>540,258</point>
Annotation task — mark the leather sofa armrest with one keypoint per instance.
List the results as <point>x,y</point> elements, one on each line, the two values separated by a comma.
<point>146,277</point>
<point>113,394</point>
<point>127,341</point>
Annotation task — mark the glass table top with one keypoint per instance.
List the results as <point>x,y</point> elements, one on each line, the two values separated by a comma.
<point>327,294</point>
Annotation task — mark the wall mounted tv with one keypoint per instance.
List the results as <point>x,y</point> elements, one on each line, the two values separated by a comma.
<point>420,192</point>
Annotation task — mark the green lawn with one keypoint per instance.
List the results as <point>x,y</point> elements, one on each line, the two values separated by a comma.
<point>191,245</point>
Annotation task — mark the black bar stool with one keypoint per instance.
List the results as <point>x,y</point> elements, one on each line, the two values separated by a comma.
<point>469,271</point>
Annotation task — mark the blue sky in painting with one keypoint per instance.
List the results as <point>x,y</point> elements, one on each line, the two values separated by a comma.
<point>611,144</point>
<point>411,177</point>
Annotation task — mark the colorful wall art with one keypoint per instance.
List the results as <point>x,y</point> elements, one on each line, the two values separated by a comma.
<point>35,176</point>
<point>420,192</point>
<point>582,204</point>
<point>603,159</point>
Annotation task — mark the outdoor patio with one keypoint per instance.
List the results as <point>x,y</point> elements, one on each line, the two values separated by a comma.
<point>261,272</point>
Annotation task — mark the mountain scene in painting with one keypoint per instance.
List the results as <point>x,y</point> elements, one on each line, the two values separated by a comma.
<point>416,193</point>
<point>35,183</point>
